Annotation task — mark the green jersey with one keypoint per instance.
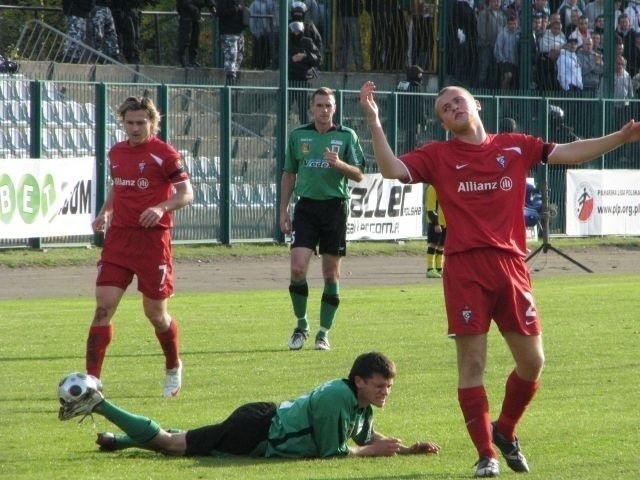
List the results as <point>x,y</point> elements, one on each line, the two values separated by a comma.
<point>320,423</point>
<point>305,157</point>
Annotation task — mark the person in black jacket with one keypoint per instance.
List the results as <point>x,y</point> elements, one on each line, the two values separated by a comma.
<point>127,17</point>
<point>231,15</point>
<point>304,57</point>
<point>298,14</point>
<point>189,18</point>
<point>76,13</point>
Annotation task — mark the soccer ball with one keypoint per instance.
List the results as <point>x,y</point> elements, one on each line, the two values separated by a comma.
<point>75,385</point>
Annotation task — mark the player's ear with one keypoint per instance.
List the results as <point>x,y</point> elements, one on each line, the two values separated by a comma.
<point>478,106</point>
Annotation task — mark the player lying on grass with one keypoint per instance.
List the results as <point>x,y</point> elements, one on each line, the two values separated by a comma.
<point>317,424</point>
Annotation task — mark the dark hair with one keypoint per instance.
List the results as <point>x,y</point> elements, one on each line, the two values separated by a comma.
<point>368,364</point>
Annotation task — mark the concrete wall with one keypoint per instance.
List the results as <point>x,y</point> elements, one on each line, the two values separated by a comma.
<point>202,76</point>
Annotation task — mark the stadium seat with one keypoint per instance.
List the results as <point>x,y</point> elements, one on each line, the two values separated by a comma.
<point>22,90</point>
<point>51,92</point>
<point>90,137</point>
<point>76,113</point>
<point>65,116</point>
<point>6,147</point>
<point>50,114</point>
<point>77,141</point>
<point>21,112</point>
<point>6,116</point>
<point>52,146</point>
<point>90,113</point>
<point>19,139</point>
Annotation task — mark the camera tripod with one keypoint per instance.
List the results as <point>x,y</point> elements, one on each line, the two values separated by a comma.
<point>544,225</point>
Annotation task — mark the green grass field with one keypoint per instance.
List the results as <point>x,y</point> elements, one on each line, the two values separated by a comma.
<point>583,423</point>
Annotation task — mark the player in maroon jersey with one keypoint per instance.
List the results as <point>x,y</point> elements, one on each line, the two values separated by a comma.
<point>148,183</point>
<point>480,179</point>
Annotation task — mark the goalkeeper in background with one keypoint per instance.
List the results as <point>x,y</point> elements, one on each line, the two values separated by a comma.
<point>436,233</point>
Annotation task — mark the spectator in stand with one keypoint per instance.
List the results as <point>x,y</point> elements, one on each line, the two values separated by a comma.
<point>411,108</point>
<point>127,17</point>
<point>514,9</point>
<point>424,36</point>
<point>540,6</point>
<point>101,30</point>
<point>592,68</point>
<point>569,72</point>
<point>304,58</point>
<point>565,14</point>
<point>464,41</point>
<point>273,10</point>
<point>537,31</point>
<point>349,46</point>
<point>506,54</point>
<point>633,56</point>
<point>633,11</point>
<point>260,27</point>
<point>593,10</point>
<point>313,11</point>
<point>596,38</point>
<point>298,13</point>
<point>598,25</point>
<point>550,46</point>
<point>491,21</point>
<point>622,111</point>
<point>76,13</point>
<point>231,20</point>
<point>575,20</point>
<point>189,18</point>
<point>626,33</point>
<point>582,31</point>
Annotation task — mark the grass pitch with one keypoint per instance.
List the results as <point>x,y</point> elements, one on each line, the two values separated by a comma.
<point>583,424</point>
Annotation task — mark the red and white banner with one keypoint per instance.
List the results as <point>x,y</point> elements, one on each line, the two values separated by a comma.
<point>381,209</point>
<point>47,197</point>
<point>603,202</point>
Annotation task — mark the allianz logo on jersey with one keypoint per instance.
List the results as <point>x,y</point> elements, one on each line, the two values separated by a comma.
<point>469,186</point>
<point>141,183</point>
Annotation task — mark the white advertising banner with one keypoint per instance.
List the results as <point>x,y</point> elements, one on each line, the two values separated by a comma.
<point>381,209</point>
<point>603,202</point>
<point>46,197</point>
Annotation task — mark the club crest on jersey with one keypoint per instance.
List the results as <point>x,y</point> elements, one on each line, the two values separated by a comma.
<point>467,315</point>
<point>304,148</point>
<point>141,166</point>
<point>501,161</point>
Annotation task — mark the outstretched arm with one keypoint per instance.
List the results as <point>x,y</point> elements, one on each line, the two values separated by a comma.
<point>582,151</point>
<point>381,446</point>
<point>388,163</point>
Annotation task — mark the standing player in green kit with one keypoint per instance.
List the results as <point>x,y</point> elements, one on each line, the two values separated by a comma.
<point>321,157</point>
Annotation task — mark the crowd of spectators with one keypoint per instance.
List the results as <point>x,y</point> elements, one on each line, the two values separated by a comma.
<point>401,33</point>
<point>483,38</point>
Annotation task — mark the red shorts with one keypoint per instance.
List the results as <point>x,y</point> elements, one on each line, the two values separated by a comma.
<point>485,284</point>
<point>145,253</point>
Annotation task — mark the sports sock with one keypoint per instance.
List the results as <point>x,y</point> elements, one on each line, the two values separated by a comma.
<point>98,340</point>
<point>431,255</point>
<point>170,345</point>
<point>439,259</point>
<point>139,429</point>
<point>329,305</point>
<point>299,293</point>
<point>122,441</point>
<point>475,409</point>
<point>518,395</point>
